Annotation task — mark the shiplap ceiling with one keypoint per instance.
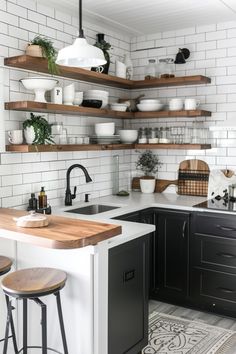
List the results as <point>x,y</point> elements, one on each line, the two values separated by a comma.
<point>150,16</point>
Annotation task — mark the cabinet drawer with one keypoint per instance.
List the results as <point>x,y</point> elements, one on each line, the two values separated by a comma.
<point>213,252</point>
<point>213,285</point>
<point>215,224</point>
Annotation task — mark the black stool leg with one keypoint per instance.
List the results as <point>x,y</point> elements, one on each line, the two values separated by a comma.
<point>7,325</point>
<point>12,326</point>
<point>43,323</point>
<point>63,334</point>
<point>25,326</point>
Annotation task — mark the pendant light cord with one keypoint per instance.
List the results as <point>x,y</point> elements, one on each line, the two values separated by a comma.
<point>81,31</point>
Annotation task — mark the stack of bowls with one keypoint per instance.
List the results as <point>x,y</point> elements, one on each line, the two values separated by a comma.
<point>148,105</point>
<point>95,98</point>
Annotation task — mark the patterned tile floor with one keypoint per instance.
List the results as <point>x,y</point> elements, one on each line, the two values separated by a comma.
<point>190,314</point>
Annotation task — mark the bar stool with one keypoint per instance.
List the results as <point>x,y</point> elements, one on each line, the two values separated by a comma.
<point>31,284</point>
<point>5,267</point>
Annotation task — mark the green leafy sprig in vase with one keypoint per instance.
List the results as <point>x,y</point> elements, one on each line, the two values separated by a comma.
<point>37,130</point>
<point>104,46</point>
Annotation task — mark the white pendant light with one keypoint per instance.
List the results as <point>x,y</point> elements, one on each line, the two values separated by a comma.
<point>80,53</point>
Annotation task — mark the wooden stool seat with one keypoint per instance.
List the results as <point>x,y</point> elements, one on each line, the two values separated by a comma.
<point>5,264</point>
<point>34,282</point>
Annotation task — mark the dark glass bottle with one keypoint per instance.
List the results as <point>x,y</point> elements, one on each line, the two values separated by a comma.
<point>42,199</point>
<point>33,203</point>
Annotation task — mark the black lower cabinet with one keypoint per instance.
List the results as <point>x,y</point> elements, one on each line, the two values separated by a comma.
<point>128,297</point>
<point>213,263</point>
<point>171,255</point>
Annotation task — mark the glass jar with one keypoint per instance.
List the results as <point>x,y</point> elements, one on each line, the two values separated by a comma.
<point>57,129</point>
<point>142,137</point>
<point>152,139</point>
<point>166,67</point>
<point>150,69</point>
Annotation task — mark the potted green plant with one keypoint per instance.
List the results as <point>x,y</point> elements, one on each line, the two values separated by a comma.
<point>148,163</point>
<point>43,47</point>
<point>37,130</point>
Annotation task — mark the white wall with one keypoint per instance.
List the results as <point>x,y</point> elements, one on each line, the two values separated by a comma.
<point>21,174</point>
<point>213,53</point>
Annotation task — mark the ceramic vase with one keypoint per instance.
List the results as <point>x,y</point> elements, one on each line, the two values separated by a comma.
<point>69,94</point>
<point>29,135</point>
<point>147,185</point>
<point>100,39</point>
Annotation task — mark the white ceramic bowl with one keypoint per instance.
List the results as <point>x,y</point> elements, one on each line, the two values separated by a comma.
<point>150,107</point>
<point>97,93</point>
<point>39,84</point>
<point>121,107</point>
<point>149,100</point>
<point>104,129</point>
<point>128,136</point>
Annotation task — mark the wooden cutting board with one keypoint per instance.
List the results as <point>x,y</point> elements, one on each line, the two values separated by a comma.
<point>186,166</point>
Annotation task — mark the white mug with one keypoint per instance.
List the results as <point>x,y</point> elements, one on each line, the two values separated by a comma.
<point>191,104</point>
<point>99,69</point>
<point>176,104</point>
<point>15,136</point>
<point>69,94</point>
<point>120,69</point>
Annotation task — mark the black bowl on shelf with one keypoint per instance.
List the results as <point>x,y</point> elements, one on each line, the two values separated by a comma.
<point>92,103</point>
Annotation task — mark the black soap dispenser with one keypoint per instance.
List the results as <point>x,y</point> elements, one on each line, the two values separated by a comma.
<point>33,203</point>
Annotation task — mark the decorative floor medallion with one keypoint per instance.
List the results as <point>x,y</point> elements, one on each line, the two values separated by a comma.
<point>174,335</point>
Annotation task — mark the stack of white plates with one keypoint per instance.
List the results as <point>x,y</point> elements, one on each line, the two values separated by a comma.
<point>112,139</point>
<point>148,105</point>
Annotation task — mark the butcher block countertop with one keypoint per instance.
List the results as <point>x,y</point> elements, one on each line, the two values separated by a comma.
<point>61,233</point>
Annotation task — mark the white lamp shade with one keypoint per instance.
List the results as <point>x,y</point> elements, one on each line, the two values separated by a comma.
<point>81,54</point>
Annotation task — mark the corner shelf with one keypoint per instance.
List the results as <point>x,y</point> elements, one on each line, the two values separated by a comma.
<point>40,65</point>
<point>29,106</point>
<point>99,147</point>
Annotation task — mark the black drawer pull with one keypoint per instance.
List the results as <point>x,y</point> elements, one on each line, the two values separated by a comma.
<point>184,227</point>
<point>224,228</point>
<point>225,290</point>
<point>226,255</point>
<point>129,275</point>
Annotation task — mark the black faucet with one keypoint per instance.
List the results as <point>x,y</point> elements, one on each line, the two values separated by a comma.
<point>69,196</point>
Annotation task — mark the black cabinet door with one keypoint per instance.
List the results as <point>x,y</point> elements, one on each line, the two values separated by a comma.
<point>172,255</point>
<point>147,216</point>
<point>128,297</point>
<point>135,217</point>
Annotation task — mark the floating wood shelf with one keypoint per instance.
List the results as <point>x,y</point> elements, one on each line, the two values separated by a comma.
<point>172,114</point>
<point>71,147</point>
<point>174,146</point>
<point>30,106</point>
<point>99,147</point>
<point>40,65</point>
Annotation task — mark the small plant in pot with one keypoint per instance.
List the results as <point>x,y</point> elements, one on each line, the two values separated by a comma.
<point>43,47</point>
<point>37,130</point>
<point>149,164</point>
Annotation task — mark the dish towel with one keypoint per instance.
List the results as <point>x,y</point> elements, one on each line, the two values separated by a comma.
<point>218,182</point>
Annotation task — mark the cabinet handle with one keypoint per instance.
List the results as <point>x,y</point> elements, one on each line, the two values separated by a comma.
<point>225,290</point>
<point>183,229</point>
<point>225,228</point>
<point>226,255</point>
<point>129,275</point>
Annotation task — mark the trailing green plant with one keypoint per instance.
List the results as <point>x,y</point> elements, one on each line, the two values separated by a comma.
<point>42,129</point>
<point>49,52</point>
<point>148,162</point>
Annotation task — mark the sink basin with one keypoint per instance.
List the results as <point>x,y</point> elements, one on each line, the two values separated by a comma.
<point>92,209</point>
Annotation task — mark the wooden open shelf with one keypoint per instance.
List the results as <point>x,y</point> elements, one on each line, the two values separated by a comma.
<point>99,147</point>
<point>40,65</point>
<point>30,106</point>
<point>174,146</point>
